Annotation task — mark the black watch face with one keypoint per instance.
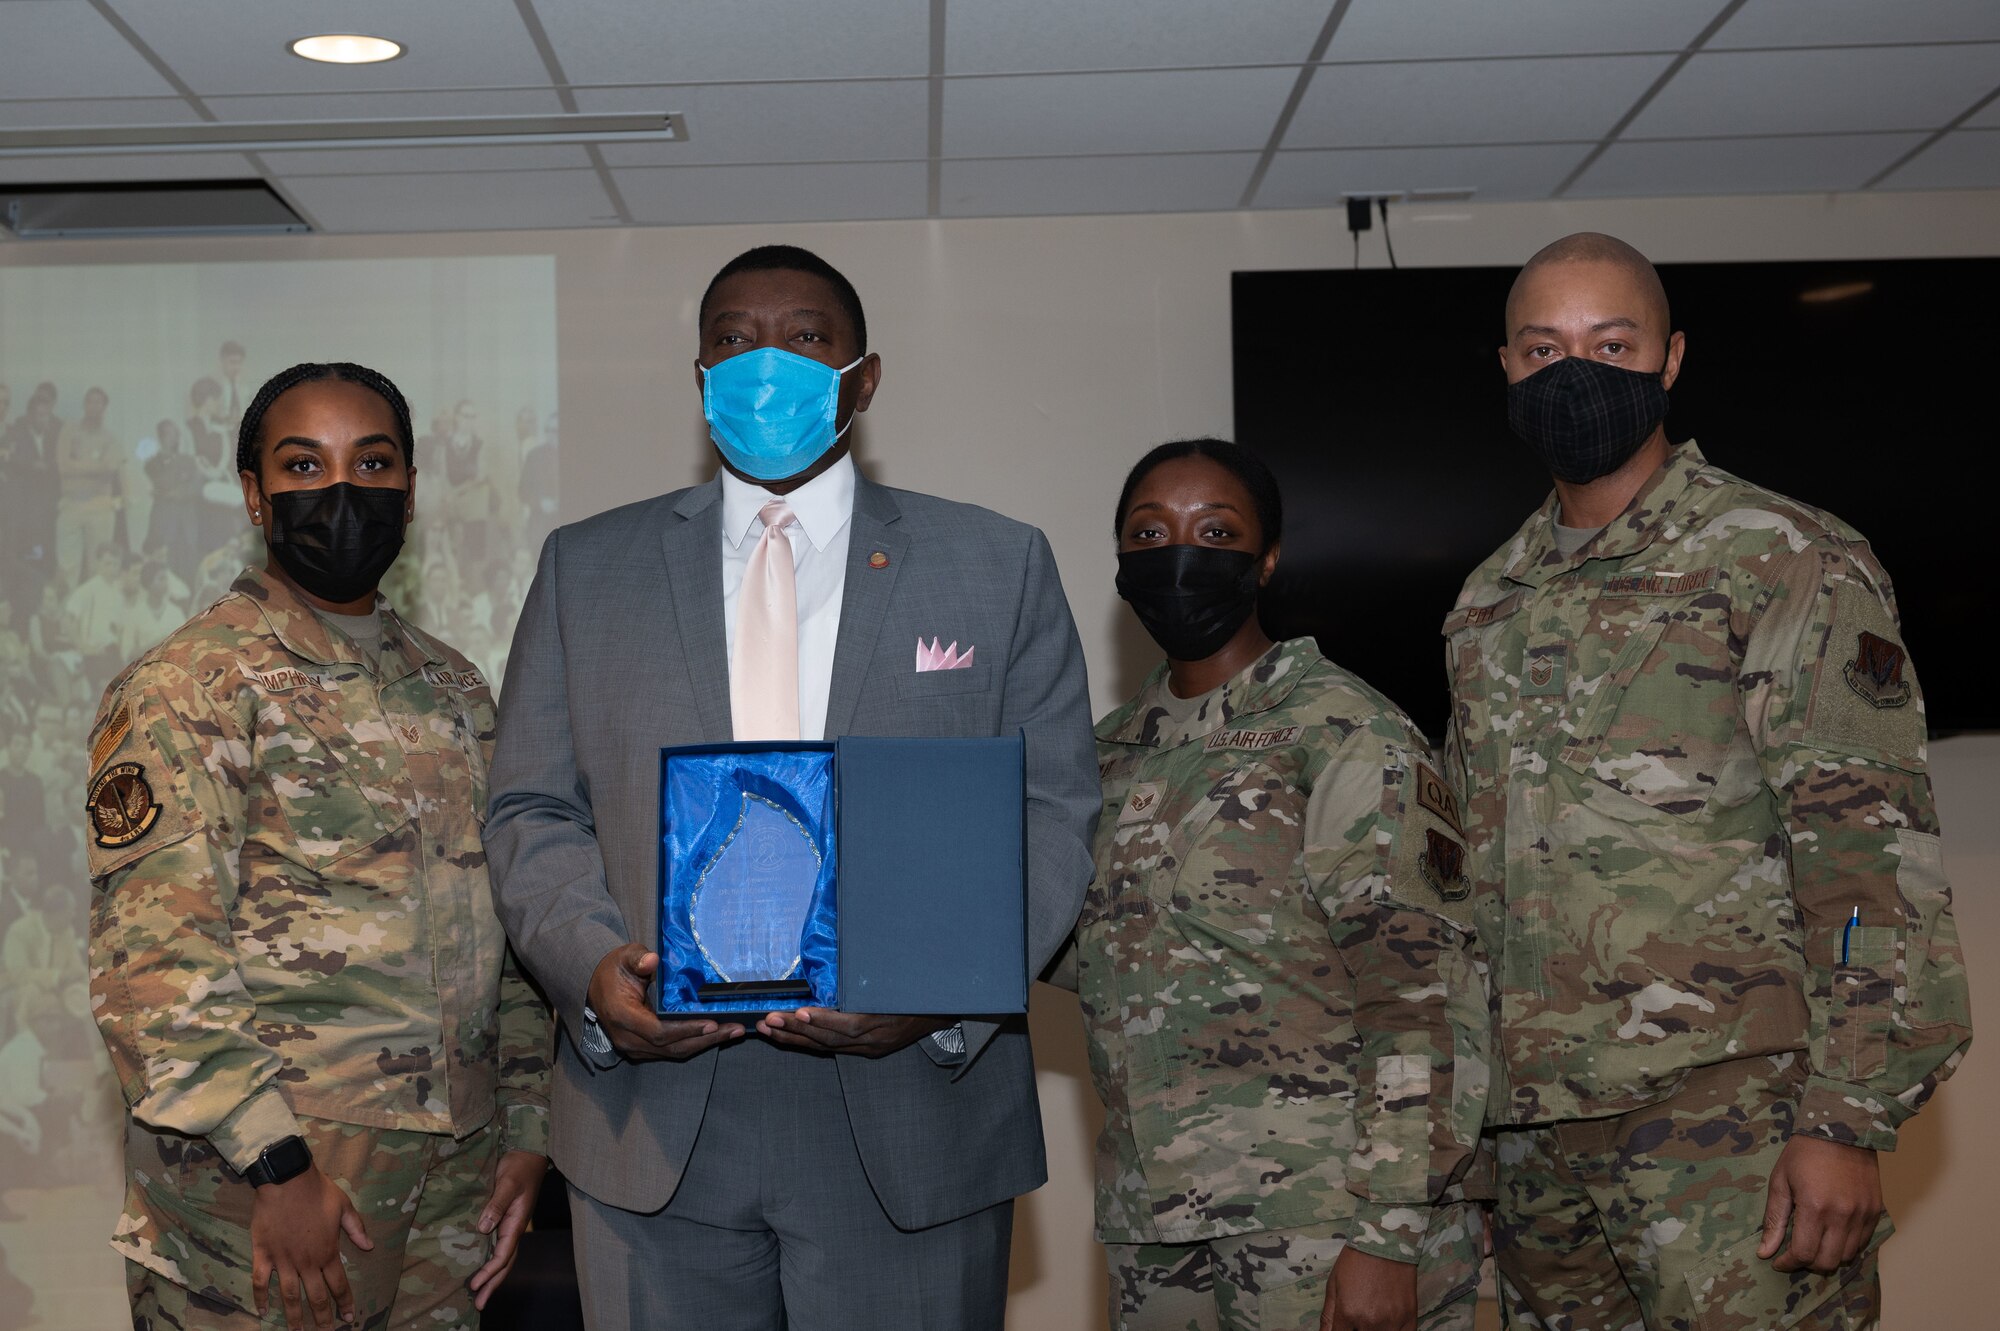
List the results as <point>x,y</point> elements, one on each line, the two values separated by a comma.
<point>280,1161</point>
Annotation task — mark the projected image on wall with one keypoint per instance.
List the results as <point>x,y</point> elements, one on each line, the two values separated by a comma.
<point>121,388</point>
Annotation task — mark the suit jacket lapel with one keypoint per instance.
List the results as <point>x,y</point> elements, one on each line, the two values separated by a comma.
<point>692,543</point>
<point>865,599</point>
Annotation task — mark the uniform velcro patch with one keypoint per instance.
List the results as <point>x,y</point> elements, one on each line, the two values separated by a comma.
<point>1252,739</point>
<point>122,807</point>
<point>1876,671</point>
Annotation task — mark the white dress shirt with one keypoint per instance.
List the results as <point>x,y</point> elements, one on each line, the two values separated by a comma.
<point>822,513</point>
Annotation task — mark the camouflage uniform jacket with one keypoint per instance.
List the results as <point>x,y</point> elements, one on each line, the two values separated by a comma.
<point>1689,754</point>
<point>290,910</point>
<point>1284,997</point>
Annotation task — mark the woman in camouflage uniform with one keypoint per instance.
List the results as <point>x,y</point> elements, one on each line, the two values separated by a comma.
<point>1284,998</point>
<point>336,1075</point>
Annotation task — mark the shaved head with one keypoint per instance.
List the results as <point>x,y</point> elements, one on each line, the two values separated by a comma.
<point>1592,247</point>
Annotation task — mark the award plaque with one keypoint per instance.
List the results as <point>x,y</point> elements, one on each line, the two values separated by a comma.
<point>747,878</point>
<point>926,838</point>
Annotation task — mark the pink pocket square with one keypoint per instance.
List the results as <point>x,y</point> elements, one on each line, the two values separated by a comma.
<point>930,658</point>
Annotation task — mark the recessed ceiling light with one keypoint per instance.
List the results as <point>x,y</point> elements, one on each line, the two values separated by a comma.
<point>346,48</point>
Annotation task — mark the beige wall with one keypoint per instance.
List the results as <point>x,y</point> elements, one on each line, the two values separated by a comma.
<point>1028,361</point>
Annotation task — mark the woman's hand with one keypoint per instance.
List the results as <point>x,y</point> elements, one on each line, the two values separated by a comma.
<point>516,1183</point>
<point>295,1230</point>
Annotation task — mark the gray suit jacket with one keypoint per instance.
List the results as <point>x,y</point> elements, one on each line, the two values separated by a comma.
<point>621,651</point>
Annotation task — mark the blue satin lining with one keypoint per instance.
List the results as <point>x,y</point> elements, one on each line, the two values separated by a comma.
<point>702,798</point>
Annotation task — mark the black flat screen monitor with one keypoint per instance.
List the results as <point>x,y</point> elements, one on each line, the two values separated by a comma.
<point>1377,397</point>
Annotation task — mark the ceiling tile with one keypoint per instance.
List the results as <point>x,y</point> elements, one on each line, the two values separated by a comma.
<point>1469,101</point>
<point>470,201</point>
<point>401,161</point>
<point>109,111</point>
<point>238,46</point>
<point>811,193</point>
<point>1167,183</point>
<point>1965,159</point>
<point>1804,92</point>
<point>1061,114</point>
<point>1988,116</point>
<point>1024,36</point>
<point>775,122</point>
<point>644,41</point>
<point>111,169</point>
<point>1318,179</point>
<point>389,105</point>
<point>1439,29</point>
<point>1799,165</point>
<point>63,48</point>
<point>1839,22</point>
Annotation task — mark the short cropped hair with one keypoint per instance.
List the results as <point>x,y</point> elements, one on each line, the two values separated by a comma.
<point>793,259</point>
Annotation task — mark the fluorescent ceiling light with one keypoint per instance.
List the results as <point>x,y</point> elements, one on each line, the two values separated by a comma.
<point>278,136</point>
<point>346,48</point>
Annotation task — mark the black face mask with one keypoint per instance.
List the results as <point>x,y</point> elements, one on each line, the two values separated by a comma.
<point>336,541</point>
<point>1191,598</point>
<point>1586,419</point>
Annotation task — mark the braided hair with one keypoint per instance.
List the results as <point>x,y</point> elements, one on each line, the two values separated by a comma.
<point>249,435</point>
<point>1237,460</point>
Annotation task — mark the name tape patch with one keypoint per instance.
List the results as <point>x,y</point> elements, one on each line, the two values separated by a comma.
<point>463,680</point>
<point>1659,584</point>
<point>287,678</point>
<point>1252,739</point>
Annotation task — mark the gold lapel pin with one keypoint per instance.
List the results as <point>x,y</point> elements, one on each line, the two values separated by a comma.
<point>880,559</point>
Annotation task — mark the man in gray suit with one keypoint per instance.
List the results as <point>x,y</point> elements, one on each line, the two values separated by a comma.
<point>817,1169</point>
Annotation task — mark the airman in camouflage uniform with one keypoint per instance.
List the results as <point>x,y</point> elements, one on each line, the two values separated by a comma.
<point>1285,1001</point>
<point>1692,759</point>
<point>292,934</point>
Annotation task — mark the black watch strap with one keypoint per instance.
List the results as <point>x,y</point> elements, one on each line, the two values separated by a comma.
<point>284,1159</point>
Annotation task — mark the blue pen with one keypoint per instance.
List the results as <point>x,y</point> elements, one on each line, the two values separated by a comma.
<point>1848,932</point>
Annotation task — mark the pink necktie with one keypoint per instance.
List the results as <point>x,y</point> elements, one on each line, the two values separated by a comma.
<point>764,676</point>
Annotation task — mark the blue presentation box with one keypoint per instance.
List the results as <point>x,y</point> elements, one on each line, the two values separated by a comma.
<point>866,874</point>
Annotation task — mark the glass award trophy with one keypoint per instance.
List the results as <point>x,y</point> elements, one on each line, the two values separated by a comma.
<point>750,904</point>
<point>747,857</point>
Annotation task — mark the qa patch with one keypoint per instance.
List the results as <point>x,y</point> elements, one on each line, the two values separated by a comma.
<point>1876,672</point>
<point>1435,795</point>
<point>1443,866</point>
<point>122,807</point>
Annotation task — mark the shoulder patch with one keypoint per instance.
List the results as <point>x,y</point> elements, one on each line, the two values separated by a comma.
<point>1252,739</point>
<point>122,806</point>
<point>115,731</point>
<point>1875,671</point>
<point>1435,795</point>
<point>1442,864</point>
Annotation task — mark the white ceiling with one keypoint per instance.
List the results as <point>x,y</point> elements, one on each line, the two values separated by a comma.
<point>802,109</point>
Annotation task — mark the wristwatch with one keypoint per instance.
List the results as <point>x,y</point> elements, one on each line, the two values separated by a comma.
<point>595,1041</point>
<point>284,1159</point>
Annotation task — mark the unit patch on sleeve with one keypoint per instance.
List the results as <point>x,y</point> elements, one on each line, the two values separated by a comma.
<point>122,807</point>
<point>1876,671</point>
<point>1443,866</point>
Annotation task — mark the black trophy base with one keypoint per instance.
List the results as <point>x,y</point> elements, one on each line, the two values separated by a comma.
<point>723,991</point>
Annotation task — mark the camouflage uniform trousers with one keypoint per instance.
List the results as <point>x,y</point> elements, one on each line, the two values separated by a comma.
<point>1275,1280</point>
<point>1652,1219</point>
<point>419,1195</point>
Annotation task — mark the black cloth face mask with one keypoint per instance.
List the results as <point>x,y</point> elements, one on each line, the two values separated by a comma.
<point>1586,419</point>
<point>1191,598</point>
<point>336,541</point>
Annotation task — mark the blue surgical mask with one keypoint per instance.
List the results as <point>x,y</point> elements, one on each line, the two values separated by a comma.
<point>771,412</point>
